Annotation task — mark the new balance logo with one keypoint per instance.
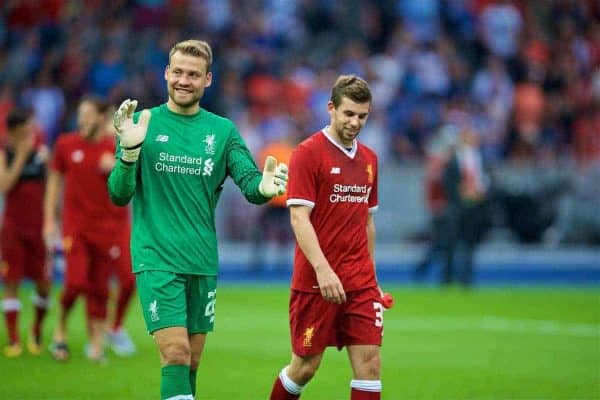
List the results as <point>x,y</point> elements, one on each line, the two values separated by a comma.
<point>335,171</point>
<point>162,138</point>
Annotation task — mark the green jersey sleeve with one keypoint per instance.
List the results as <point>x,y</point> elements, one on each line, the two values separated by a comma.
<point>121,181</point>
<point>243,170</point>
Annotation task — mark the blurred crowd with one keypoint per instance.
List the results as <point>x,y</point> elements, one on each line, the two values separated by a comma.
<point>523,76</point>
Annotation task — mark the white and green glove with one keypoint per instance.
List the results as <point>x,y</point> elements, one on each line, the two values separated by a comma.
<point>131,135</point>
<point>274,179</point>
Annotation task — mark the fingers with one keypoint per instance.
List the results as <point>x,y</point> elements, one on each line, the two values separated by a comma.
<point>281,178</point>
<point>119,115</point>
<point>334,293</point>
<point>281,172</point>
<point>125,111</point>
<point>131,108</point>
<point>270,165</point>
<point>145,118</point>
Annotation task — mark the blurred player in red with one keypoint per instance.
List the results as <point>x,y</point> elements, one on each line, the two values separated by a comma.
<point>22,179</point>
<point>335,298</point>
<point>95,233</point>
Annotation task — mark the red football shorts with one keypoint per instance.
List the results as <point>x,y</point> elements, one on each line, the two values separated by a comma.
<point>23,255</point>
<point>91,259</point>
<point>316,323</point>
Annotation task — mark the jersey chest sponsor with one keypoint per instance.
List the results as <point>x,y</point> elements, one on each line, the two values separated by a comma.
<point>183,164</point>
<point>348,183</point>
<point>173,154</point>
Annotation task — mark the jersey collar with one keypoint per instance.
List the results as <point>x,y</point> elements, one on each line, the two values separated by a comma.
<point>349,153</point>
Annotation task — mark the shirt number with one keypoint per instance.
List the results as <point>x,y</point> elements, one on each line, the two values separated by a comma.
<point>378,307</point>
<point>209,311</point>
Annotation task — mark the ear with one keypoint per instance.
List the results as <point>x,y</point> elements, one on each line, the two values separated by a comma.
<point>330,108</point>
<point>167,73</point>
<point>208,79</point>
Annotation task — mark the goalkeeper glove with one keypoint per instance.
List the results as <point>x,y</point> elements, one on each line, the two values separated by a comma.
<point>131,135</point>
<point>274,179</point>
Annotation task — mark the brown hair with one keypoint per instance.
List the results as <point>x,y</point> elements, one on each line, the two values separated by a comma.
<point>197,48</point>
<point>352,87</point>
<point>18,116</point>
<point>99,103</point>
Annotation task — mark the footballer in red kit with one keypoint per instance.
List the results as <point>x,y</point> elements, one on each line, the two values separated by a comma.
<point>22,180</point>
<point>95,232</point>
<point>340,186</point>
<point>335,297</point>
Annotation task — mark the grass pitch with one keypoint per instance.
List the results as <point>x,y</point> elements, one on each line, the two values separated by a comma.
<point>487,343</point>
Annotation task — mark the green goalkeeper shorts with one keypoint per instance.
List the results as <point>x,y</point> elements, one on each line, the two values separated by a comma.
<point>169,299</point>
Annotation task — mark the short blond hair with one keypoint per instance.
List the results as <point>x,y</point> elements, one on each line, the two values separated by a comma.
<point>351,86</point>
<point>197,48</point>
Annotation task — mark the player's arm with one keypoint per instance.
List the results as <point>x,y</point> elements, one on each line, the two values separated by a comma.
<point>54,184</point>
<point>257,187</point>
<point>121,181</point>
<point>329,283</point>
<point>371,232</point>
<point>10,175</point>
<point>386,298</point>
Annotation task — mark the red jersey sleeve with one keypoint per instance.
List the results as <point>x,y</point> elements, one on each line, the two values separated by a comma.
<point>302,180</point>
<point>58,163</point>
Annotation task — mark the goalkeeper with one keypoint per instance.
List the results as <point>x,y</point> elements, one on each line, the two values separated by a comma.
<point>173,162</point>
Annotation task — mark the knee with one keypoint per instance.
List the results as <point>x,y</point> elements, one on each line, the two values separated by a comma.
<point>307,371</point>
<point>301,373</point>
<point>370,366</point>
<point>175,352</point>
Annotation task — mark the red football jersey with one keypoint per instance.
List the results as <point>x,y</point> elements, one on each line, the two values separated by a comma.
<point>23,209</point>
<point>86,203</point>
<point>341,187</point>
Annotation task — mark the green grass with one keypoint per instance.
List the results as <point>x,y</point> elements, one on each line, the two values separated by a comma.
<point>527,343</point>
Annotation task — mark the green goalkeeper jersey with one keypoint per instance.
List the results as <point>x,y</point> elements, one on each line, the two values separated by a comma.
<point>175,186</point>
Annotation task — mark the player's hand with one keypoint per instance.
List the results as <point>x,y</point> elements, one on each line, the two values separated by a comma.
<point>25,146</point>
<point>131,135</point>
<point>274,179</point>
<point>107,163</point>
<point>330,285</point>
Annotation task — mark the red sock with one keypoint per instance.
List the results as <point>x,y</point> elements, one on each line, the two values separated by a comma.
<point>279,393</point>
<point>122,304</point>
<point>41,307</point>
<point>11,315</point>
<point>365,389</point>
<point>362,395</point>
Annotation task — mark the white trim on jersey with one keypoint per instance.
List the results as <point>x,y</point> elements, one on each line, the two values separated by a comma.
<point>300,202</point>
<point>373,210</point>
<point>350,153</point>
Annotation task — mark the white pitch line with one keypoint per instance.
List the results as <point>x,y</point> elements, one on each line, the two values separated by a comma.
<point>497,324</point>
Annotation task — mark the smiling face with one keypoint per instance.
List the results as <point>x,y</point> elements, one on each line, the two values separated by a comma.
<point>347,119</point>
<point>187,77</point>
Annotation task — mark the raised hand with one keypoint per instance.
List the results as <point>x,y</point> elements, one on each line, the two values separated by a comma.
<point>274,179</point>
<point>131,135</point>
